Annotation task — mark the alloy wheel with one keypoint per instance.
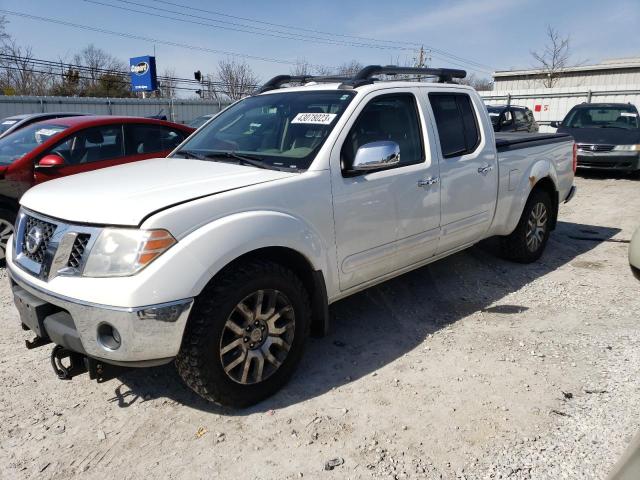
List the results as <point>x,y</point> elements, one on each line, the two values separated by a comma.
<point>6,229</point>
<point>257,336</point>
<point>536,226</point>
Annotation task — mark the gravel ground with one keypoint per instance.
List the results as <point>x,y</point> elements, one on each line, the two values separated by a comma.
<point>470,368</point>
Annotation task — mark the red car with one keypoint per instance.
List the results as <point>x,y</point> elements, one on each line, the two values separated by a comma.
<point>64,146</point>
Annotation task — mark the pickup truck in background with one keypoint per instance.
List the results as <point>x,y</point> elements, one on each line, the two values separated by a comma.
<point>226,255</point>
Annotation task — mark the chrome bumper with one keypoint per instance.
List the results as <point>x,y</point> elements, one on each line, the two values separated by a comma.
<point>147,333</point>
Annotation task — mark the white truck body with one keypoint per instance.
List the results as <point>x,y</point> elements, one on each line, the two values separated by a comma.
<point>354,231</point>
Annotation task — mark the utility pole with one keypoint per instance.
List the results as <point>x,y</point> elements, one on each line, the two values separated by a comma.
<point>421,63</point>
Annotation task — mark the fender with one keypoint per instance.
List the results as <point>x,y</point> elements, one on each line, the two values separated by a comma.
<point>212,247</point>
<point>540,169</point>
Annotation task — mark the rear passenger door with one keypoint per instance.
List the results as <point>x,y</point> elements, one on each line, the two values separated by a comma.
<point>144,141</point>
<point>85,150</point>
<point>522,122</point>
<point>468,169</point>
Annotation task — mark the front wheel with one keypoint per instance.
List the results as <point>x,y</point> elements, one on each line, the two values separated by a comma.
<point>7,219</point>
<point>527,242</point>
<point>245,334</point>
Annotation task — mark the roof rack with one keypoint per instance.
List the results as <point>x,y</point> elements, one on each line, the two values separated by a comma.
<point>279,80</point>
<point>365,76</point>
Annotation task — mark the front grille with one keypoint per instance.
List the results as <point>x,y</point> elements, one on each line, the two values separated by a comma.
<point>47,229</point>
<point>79,246</point>
<point>589,147</point>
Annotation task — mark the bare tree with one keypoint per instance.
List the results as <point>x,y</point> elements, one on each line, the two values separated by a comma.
<point>19,74</point>
<point>302,67</point>
<point>102,74</point>
<point>479,83</point>
<point>554,58</point>
<point>167,85</point>
<point>349,69</point>
<point>236,78</point>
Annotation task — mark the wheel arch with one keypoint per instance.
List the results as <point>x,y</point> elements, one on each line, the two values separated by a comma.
<point>312,279</point>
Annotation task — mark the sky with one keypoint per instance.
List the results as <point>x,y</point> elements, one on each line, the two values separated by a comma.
<point>478,35</point>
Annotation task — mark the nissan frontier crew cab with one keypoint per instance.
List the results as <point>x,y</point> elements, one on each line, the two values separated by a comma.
<point>225,256</point>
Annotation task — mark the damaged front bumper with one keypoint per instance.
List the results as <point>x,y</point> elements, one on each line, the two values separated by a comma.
<point>130,337</point>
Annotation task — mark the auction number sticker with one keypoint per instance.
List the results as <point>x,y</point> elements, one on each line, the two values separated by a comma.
<point>314,118</point>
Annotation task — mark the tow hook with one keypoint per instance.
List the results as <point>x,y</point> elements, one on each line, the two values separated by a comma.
<point>67,372</point>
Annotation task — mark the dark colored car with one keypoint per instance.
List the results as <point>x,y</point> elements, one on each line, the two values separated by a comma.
<point>512,118</point>
<point>607,135</point>
<point>63,146</point>
<point>16,122</point>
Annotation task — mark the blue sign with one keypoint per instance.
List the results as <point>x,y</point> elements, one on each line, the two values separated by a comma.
<point>143,74</point>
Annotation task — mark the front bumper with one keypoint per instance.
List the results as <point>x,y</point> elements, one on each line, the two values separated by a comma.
<point>623,161</point>
<point>149,335</point>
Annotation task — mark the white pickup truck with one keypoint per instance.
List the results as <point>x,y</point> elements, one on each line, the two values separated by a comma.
<point>226,255</point>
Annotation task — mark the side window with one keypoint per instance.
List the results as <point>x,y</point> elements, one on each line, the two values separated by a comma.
<point>387,117</point>
<point>143,139</point>
<point>521,118</point>
<point>507,118</point>
<point>456,122</point>
<point>92,145</point>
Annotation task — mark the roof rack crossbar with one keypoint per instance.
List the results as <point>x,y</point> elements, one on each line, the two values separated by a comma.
<point>364,76</point>
<point>279,80</point>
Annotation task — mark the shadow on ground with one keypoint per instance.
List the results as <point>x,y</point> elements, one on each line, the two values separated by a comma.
<point>379,325</point>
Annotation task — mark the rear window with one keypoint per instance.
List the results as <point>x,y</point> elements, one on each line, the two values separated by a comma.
<point>456,122</point>
<point>623,117</point>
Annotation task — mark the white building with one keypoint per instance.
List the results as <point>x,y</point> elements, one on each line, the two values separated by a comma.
<point>621,72</point>
<point>612,81</point>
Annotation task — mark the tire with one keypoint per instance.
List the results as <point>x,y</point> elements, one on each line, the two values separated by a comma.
<point>222,336</point>
<point>527,242</point>
<point>7,221</point>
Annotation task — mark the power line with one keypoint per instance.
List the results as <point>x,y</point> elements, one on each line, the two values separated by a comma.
<point>442,53</point>
<point>238,27</point>
<point>292,27</point>
<point>106,71</point>
<point>146,39</point>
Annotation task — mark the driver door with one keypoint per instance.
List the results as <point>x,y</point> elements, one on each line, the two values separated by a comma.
<point>387,219</point>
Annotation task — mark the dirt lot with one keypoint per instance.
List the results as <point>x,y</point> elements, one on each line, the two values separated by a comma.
<point>469,368</point>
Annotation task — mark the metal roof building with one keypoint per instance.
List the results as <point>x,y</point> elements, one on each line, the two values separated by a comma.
<point>621,72</point>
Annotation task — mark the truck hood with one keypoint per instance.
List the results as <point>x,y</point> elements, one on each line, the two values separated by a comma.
<point>607,136</point>
<point>126,194</point>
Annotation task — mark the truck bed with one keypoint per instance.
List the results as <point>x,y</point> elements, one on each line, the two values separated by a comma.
<point>517,140</point>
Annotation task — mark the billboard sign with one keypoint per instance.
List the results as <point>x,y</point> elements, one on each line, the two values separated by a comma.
<point>143,74</point>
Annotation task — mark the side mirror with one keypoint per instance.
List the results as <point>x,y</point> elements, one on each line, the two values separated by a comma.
<point>50,161</point>
<point>376,155</point>
<point>554,124</point>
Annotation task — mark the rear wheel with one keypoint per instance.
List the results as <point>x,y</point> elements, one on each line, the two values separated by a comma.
<point>245,334</point>
<point>7,219</point>
<point>527,242</point>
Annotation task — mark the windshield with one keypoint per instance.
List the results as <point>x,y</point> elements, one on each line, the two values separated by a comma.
<point>6,124</point>
<point>280,130</point>
<point>603,117</point>
<point>19,143</point>
<point>198,122</point>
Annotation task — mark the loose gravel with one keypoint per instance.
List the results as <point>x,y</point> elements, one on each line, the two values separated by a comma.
<point>471,368</point>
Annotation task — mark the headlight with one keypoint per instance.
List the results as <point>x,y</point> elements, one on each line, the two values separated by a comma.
<point>122,251</point>
<point>627,148</point>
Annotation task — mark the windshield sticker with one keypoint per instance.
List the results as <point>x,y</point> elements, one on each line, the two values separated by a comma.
<point>628,114</point>
<point>314,118</point>
<point>9,122</point>
<point>47,132</point>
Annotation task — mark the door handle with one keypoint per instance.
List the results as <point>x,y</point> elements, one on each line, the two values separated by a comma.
<point>484,170</point>
<point>428,181</point>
